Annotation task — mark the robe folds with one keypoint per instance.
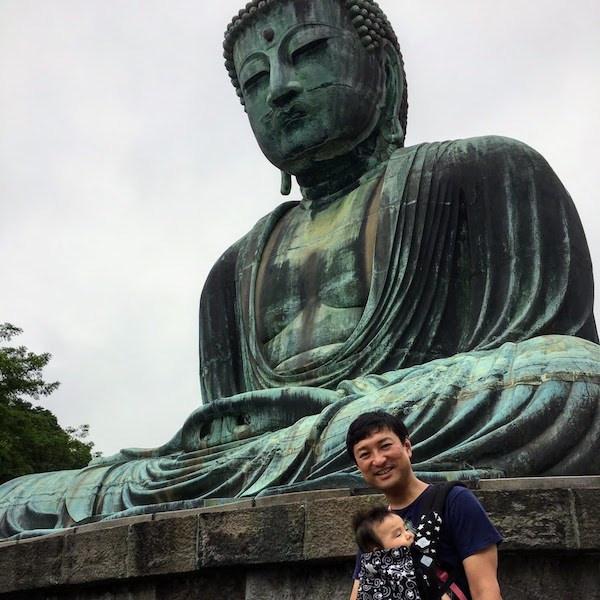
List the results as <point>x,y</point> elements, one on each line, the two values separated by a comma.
<point>478,331</point>
<point>477,243</point>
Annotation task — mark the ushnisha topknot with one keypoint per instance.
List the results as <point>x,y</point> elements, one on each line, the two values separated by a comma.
<point>370,22</point>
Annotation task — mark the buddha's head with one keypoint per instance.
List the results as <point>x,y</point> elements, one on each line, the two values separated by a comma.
<point>320,80</point>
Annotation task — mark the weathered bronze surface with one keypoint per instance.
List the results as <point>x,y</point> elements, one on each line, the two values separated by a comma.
<point>448,282</point>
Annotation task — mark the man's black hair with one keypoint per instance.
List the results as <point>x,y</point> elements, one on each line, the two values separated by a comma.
<point>364,523</point>
<point>373,422</point>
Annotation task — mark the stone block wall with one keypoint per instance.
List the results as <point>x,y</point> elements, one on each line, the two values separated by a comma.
<point>298,546</point>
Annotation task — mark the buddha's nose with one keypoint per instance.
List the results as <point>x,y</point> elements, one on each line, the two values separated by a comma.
<point>283,85</point>
<point>280,95</point>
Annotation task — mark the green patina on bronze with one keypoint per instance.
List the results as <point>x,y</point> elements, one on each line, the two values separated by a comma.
<point>449,283</point>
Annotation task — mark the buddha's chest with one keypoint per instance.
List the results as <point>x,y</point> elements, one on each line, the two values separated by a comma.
<point>315,273</point>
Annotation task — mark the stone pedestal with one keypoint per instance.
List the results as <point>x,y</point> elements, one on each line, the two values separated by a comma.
<point>299,546</point>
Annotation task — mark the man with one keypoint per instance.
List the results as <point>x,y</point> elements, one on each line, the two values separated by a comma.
<point>379,445</point>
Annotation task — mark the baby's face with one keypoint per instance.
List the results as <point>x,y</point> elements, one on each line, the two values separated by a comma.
<point>392,532</point>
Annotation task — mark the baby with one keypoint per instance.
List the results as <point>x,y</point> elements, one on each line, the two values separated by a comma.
<point>380,529</point>
<point>389,557</point>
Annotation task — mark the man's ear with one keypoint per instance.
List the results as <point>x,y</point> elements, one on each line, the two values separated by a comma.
<point>408,447</point>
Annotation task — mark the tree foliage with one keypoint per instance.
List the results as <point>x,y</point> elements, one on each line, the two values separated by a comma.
<point>31,440</point>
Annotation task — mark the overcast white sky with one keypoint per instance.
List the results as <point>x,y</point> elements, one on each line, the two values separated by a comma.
<point>127,167</point>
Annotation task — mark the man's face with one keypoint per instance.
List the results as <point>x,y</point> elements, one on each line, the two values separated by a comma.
<point>384,461</point>
<point>392,532</point>
<point>311,90</point>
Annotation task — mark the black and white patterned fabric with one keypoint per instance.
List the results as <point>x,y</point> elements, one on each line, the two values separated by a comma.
<point>428,534</point>
<point>388,575</point>
<point>402,573</point>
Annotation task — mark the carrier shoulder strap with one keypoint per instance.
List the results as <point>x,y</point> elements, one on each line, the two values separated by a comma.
<point>434,498</point>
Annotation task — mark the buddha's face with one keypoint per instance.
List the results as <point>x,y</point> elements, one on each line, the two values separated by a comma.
<point>311,90</point>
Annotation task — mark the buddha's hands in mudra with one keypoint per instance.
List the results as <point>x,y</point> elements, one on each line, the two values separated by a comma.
<point>251,414</point>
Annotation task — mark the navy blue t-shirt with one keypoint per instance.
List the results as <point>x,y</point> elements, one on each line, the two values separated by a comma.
<point>466,529</point>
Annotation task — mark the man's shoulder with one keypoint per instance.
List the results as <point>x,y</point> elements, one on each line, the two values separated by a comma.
<point>467,523</point>
<point>461,498</point>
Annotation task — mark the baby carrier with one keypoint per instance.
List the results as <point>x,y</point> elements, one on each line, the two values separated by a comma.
<point>412,573</point>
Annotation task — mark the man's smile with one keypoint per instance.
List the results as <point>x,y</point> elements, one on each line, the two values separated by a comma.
<point>383,471</point>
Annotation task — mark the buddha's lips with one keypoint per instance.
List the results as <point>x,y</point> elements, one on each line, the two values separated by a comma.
<point>283,117</point>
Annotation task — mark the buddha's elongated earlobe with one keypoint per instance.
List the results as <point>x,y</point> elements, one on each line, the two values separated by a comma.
<point>286,183</point>
<point>394,111</point>
<point>394,136</point>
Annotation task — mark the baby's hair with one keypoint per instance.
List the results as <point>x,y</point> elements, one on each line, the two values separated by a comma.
<point>363,523</point>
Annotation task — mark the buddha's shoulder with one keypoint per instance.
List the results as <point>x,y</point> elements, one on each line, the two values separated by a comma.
<point>246,246</point>
<point>478,152</point>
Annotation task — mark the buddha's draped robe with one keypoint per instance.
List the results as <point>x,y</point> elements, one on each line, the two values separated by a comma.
<point>478,331</point>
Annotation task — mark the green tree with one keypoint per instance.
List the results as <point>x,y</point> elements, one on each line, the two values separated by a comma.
<point>31,440</point>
